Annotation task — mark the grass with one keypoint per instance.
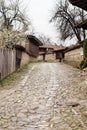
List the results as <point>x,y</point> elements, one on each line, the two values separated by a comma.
<point>13,76</point>
<point>72,63</point>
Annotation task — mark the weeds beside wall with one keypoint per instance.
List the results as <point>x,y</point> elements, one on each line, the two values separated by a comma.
<point>74,57</point>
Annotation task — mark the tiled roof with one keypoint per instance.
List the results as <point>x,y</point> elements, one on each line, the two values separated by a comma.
<point>37,41</point>
<point>19,47</point>
<point>73,47</point>
<point>54,47</point>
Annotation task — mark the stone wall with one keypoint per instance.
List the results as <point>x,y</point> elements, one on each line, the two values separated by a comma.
<point>25,59</point>
<point>40,58</point>
<point>50,57</point>
<point>74,57</point>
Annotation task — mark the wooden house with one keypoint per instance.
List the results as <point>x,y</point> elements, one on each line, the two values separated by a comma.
<point>82,24</point>
<point>46,48</point>
<point>83,5</point>
<point>79,3</point>
<point>44,51</point>
<point>13,59</point>
<point>51,52</point>
<point>32,45</point>
<point>59,51</point>
<point>28,51</point>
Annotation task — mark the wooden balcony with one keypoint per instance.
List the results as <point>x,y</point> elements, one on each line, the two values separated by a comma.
<point>82,24</point>
<point>79,3</point>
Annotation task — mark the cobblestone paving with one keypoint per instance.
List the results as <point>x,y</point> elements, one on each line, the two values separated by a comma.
<point>34,103</point>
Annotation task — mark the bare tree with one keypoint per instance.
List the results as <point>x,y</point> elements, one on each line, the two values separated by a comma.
<point>65,18</point>
<point>9,38</point>
<point>45,39</point>
<point>10,14</point>
<point>31,30</point>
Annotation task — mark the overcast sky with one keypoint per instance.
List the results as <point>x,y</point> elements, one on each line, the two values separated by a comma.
<point>40,12</point>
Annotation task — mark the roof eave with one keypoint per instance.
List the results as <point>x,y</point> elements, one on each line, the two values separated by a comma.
<point>39,43</point>
<point>79,3</point>
<point>82,25</point>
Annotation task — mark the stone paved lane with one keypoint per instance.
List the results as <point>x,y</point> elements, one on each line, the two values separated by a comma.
<point>38,101</point>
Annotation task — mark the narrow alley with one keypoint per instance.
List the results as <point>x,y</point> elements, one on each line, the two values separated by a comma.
<point>48,96</point>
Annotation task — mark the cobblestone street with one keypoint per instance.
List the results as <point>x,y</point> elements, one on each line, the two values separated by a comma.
<point>42,99</point>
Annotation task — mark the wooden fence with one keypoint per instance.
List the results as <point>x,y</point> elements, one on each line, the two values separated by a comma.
<point>7,62</point>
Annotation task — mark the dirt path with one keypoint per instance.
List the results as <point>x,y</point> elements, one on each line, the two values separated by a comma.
<point>42,100</point>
